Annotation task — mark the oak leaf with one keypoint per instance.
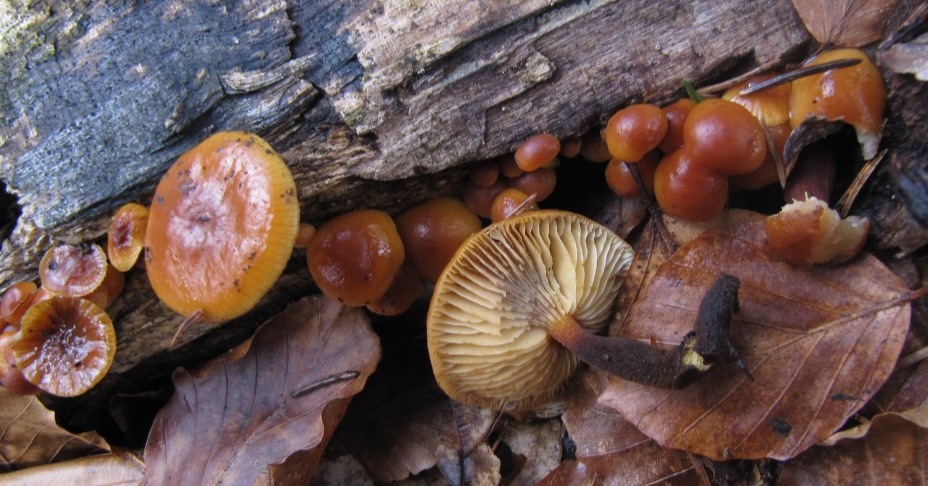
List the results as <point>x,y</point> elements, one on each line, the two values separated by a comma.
<point>819,341</point>
<point>246,419</point>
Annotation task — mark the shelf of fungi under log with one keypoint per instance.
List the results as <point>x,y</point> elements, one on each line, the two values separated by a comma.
<point>365,113</point>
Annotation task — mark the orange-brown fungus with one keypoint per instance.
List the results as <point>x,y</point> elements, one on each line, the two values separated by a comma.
<point>66,345</point>
<point>479,199</point>
<point>433,231</point>
<point>355,256</point>
<point>72,270</point>
<point>634,131</point>
<point>304,235</point>
<point>14,301</point>
<point>620,180</point>
<point>537,151</point>
<point>485,174</point>
<point>541,183</point>
<point>222,226</point>
<point>126,236</point>
<point>510,202</point>
<point>402,293</point>
<point>11,377</point>
<point>109,289</point>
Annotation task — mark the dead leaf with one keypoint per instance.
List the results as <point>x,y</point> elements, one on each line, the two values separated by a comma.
<point>891,452</point>
<point>111,469</point>
<point>30,437</point>
<point>398,436</point>
<point>481,466</point>
<point>917,416</point>
<point>844,23</point>
<point>819,341</point>
<point>539,446</point>
<point>619,214</point>
<point>643,464</point>
<point>652,249</point>
<point>910,58</point>
<point>235,419</point>
<point>596,429</point>
<point>341,471</point>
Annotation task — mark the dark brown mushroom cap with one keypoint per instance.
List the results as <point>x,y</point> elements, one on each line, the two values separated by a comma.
<point>505,287</point>
<point>66,345</point>
<point>221,227</point>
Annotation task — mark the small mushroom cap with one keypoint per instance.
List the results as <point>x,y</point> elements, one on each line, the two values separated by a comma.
<point>126,236</point>
<point>72,270</point>
<point>505,287</point>
<point>66,345</point>
<point>221,227</point>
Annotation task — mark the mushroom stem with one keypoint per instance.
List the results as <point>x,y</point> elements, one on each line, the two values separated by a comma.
<point>633,360</point>
<point>628,359</point>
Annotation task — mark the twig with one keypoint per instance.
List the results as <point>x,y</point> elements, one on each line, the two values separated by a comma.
<point>329,381</point>
<point>850,195</point>
<point>802,72</point>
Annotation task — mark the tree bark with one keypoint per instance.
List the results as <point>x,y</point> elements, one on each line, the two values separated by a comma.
<point>371,103</point>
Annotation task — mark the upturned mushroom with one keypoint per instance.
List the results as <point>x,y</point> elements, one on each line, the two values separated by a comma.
<point>521,302</point>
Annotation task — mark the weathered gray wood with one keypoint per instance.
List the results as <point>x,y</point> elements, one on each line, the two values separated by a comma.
<point>371,103</point>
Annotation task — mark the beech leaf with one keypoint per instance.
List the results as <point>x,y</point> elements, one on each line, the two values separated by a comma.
<point>891,452</point>
<point>112,469</point>
<point>29,435</point>
<point>596,430</point>
<point>844,23</point>
<point>646,463</point>
<point>239,419</point>
<point>819,341</point>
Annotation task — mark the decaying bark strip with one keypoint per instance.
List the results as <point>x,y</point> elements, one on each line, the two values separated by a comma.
<point>371,103</point>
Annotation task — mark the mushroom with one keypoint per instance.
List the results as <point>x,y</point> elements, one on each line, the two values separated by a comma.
<point>354,256</point>
<point>72,270</point>
<point>221,227</point>
<point>519,305</point>
<point>126,236</point>
<point>66,345</point>
<point>433,231</point>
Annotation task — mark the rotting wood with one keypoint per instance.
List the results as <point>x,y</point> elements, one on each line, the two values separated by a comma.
<point>371,104</point>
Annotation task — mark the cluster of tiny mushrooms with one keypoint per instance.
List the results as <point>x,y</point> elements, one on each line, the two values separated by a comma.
<point>517,305</point>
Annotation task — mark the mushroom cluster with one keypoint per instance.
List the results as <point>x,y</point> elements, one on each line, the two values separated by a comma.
<point>222,227</point>
<point>704,147</point>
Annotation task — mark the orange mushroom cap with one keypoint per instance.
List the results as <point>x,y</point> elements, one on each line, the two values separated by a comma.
<point>854,94</point>
<point>433,231</point>
<point>126,236</point>
<point>72,270</point>
<point>66,345</point>
<point>355,256</point>
<point>222,226</point>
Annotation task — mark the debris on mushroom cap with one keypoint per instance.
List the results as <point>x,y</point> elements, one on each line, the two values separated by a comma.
<point>66,345</point>
<point>854,94</point>
<point>221,227</point>
<point>72,270</point>
<point>506,285</point>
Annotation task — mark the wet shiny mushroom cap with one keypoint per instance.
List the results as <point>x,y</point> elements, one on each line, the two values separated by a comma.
<point>504,289</point>
<point>221,227</point>
<point>66,345</point>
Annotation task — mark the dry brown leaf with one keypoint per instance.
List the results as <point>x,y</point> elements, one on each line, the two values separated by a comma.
<point>112,469</point>
<point>481,466</point>
<point>538,446</point>
<point>398,436</point>
<point>341,471</point>
<point>819,341</point>
<point>643,464</point>
<point>652,249</point>
<point>911,58</point>
<point>917,416</point>
<point>238,420</point>
<point>891,452</point>
<point>844,23</point>
<point>29,435</point>
<point>596,430</point>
